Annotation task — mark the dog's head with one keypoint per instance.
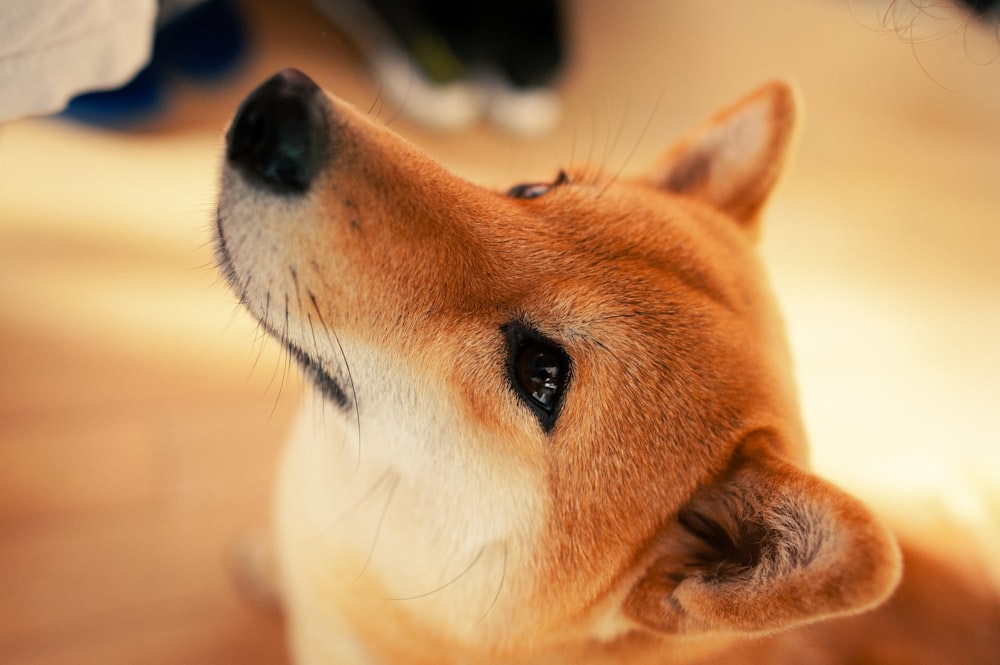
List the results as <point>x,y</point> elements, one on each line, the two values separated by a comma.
<point>588,373</point>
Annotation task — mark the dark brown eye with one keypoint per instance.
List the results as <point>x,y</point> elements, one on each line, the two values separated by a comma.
<point>533,190</point>
<point>539,373</point>
<point>529,190</point>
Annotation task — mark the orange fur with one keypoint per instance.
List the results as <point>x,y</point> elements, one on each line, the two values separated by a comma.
<point>668,514</point>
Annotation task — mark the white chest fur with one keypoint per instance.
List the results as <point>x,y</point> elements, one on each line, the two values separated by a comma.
<point>404,512</point>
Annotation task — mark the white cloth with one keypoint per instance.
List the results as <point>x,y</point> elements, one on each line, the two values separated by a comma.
<point>52,50</point>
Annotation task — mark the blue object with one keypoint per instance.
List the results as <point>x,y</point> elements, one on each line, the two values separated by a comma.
<point>205,43</point>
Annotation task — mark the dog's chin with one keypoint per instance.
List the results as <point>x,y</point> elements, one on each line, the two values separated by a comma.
<point>328,387</point>
<point>223,257</point>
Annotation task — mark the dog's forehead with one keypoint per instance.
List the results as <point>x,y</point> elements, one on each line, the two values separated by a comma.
<point>622,245</point>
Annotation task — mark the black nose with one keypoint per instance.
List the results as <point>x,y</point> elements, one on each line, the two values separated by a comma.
<point>279,137</point>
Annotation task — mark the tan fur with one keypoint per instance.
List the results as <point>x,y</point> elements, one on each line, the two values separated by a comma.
<point>669,514</point>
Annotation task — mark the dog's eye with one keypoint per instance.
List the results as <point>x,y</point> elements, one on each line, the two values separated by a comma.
<point>533,190</point>
<point>539,372</point>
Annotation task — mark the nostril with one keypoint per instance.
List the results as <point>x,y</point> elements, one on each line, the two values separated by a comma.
<point>279,136</point>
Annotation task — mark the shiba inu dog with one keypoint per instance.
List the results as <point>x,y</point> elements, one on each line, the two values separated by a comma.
<point>555,424</point>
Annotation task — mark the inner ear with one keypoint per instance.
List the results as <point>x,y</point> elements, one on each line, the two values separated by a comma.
<point>733,161</point>
<point>765,547</point>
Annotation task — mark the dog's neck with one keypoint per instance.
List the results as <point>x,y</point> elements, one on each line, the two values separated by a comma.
<point>377,534</point>
<point>401,516</point>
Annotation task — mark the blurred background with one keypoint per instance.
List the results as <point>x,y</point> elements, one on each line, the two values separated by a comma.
<point>141,410</point>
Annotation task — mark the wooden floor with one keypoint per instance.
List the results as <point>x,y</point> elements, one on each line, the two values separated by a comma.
<point>140,412</point>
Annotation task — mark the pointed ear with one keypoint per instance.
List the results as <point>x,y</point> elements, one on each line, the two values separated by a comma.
<point>733,161</point>
<point>766,547</point>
